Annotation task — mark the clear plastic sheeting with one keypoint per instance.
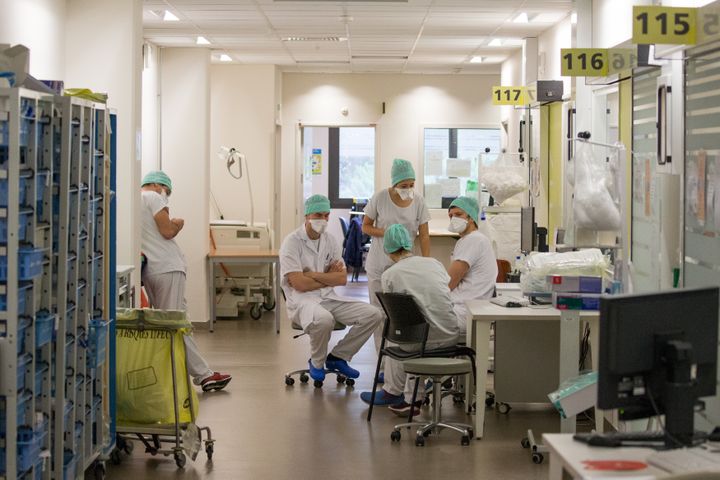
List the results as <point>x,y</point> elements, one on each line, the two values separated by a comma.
<point>596,201</point>
<point>575,394</point>
<point>504,178</point>
<point>538,266</point>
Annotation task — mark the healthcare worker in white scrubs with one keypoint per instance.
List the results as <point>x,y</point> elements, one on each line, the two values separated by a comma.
<point>473,267</point>
<point>311,266</point>
<point>427,281</point>
<point>398,204</point>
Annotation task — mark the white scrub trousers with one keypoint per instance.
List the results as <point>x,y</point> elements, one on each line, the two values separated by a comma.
<point>318,321</point>
<point>166,291</point>
<point>374,286</point>
<point>396,380</point>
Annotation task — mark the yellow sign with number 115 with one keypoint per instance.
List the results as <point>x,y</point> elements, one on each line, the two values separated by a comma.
<point>664,25</point>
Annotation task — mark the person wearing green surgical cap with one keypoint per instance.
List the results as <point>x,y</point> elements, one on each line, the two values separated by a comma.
<point>427,281</point>
<point>473,266</point>
<point>164,273</point>
<point>311,266</point>
<point>397,204</point>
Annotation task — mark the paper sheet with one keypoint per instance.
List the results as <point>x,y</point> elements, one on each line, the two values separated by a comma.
<point>433,163</point>
<point>457,167</point>
<point>450,187</point>
<point>433,195</point>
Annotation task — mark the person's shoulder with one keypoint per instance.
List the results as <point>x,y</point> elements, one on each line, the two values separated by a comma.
<point>291,238</point>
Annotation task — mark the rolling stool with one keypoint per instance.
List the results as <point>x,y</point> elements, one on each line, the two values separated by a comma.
<point>435,368</point>
<point>304,373</point>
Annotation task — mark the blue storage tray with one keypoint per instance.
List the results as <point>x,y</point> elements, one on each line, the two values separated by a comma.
<point>30,263</point>
<point>22,368</point>
<point>44,328</point>
<point>21,300</point>
<point>22,227</point>
<point>28,448</point>
<point>97,342</point>
<point>41,368</point>
<point>23,324</point>
<point>69,465</point>
<point>24,133</point>
<point>42,181</point>
<point>4,191</point>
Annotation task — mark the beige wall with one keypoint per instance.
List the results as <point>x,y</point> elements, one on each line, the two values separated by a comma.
<point>412,102</point>
<point>185,110</point>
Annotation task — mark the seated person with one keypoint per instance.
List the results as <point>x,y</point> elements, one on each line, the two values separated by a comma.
<point>473,267</point>
<point>310,266</point>
<point>425,279</point>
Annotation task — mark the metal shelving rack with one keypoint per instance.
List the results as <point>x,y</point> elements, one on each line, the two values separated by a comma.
<point>54,342</point>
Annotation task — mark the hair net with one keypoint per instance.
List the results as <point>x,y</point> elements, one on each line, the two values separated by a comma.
<point>402,170</point>
<point>317,204</point>
<point>467,204</point>
<point>396,237</point>
<point>158,177</point>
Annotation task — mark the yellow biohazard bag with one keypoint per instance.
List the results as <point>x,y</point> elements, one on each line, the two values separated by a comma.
<point>144,369</point>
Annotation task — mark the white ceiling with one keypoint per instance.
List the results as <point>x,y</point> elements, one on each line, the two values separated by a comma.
<point>410,36</point>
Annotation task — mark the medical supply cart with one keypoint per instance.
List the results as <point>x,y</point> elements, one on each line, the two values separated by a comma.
<point>56,383</point>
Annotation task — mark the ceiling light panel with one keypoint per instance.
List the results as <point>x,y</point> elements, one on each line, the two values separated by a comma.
<point>169,16</point>
<point>202,40</point>
<point>522,17</point>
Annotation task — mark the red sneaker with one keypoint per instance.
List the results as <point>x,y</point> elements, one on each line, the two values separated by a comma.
<point>216,381</point>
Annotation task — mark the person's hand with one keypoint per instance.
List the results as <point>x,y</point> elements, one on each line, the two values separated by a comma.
<point>336,266</point>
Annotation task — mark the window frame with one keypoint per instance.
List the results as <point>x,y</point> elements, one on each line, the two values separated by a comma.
<point>334,165</point>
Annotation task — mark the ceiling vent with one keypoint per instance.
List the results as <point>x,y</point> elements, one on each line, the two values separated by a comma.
<point>314,39</point>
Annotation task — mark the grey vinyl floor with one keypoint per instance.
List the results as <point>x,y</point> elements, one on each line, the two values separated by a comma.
<point>266,430</point>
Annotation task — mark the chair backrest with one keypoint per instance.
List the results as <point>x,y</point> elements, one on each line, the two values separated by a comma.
<point>405,320</point>
<point>344,226</point>
<point>503,268</point>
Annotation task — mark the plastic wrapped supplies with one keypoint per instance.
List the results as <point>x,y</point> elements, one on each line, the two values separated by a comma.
<point>504,178</point>
<point>536,268</point>
<point>575,394</point>
<point>595,204</point>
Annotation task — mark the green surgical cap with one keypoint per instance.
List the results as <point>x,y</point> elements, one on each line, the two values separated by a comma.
<point>467,204</point>
<point>157,177</point>
<point>317,204</point>
<point>396,237</point>
<point>402,170</point>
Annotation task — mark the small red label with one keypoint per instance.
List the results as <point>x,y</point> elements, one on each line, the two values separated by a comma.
<point>557,280</point>
<point>614,465</point>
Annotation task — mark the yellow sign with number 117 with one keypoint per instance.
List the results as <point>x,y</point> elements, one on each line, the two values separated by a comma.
<point>509,95</point>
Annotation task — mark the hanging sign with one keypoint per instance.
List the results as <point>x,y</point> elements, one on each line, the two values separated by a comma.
<point>584,62</point>
<point>621,59</point>
<point>509,95</point>
<point>316,160</point>
<point>664,25</point>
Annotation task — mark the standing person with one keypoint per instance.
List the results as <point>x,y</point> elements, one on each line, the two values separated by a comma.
<point>473,267</point>
<point>164,273</point>
<point>427,281</point>
<point>311,266</point>
<point>397,204</point>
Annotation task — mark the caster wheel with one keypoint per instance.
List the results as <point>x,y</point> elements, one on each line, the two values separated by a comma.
<point>179,460</point>
<point>489,401</point>
<point>471,433</point>
<point>419,441</point>
<point>458,399</point>
<point>304,378</point>
<point>395,436</point>
<point>289,381</point>
<point>537,458</point>
<point>465,441</point>
<point>256,312</point>
<point>426,401</point>
<point>317,384</point>
<point>503,408</point>
<point>341,379</point>
<point>269,305</point>
<point>115,457</point>
<point>99,470</point>
<point>525,442</point>
<point>350,382</point>
<point>128,447</point>
<point>209,450</point>
<point>426,433</point>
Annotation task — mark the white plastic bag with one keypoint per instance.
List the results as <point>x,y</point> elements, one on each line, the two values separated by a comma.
<point>595,204</point>
<point>536,268</point>
<point>504,178</point>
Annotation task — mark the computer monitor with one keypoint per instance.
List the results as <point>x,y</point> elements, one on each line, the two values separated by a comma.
<point>658,354</point>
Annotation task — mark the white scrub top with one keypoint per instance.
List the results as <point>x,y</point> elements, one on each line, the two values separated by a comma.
<point>478,283</point>
<point>163,255</point>
<point>299,253</point>
<point>385,213</point>
<point>427,280</point>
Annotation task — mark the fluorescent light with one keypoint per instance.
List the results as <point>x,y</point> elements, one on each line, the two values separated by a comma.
<point>573,18</point>
<point>477,59</point>
<point>521,18</point>
<point>314,39</point>
<point>495,42</point>
<point>170,17</point>
<point>202,40</point>
<point>225,58</point>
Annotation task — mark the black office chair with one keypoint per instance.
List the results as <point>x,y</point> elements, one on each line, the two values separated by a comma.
<point>405,324</point>
<point>304,373</point>
<point>344,226</point>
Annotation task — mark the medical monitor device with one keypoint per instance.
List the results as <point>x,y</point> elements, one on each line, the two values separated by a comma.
<point>527,229</point>
<point>658,355</point>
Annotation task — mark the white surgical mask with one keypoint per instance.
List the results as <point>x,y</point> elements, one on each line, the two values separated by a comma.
<point>318,225</point>
<point>457,224</point>
<point>405,193</point>
<point>164,195</point>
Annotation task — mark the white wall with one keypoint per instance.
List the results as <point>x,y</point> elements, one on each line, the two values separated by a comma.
<point>185,110</point>
<point>510,74</point>
<point>549,45</point>
<point>412,102</point>
<point>242,115</point>
<point>151,108</point>
<point>103,53</point>
<point>44,35</point>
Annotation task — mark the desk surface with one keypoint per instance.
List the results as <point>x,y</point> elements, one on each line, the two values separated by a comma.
<point>484,310</point>
<point>572,456</point>
<point>239,253</point>
<point>439,232</point>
